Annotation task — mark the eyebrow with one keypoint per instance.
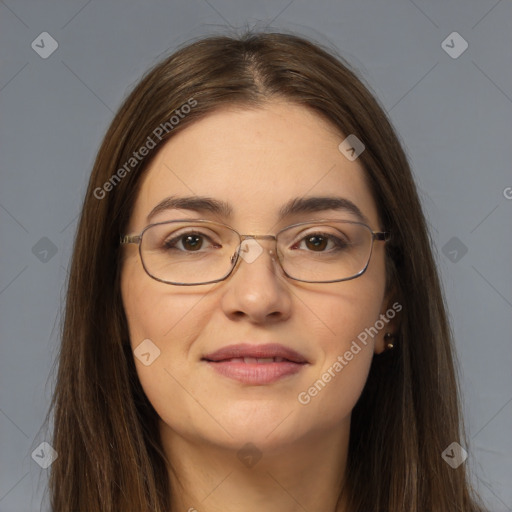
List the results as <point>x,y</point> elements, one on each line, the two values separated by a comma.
<point>298,205</point>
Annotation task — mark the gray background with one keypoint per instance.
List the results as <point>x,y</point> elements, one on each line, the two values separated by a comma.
<point>453,114</point>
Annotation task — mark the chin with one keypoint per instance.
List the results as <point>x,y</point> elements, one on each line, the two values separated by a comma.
<point>264,423</point>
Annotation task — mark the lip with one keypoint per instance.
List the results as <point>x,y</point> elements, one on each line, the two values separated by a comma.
<point>229,361</point>
<point>258,351</point>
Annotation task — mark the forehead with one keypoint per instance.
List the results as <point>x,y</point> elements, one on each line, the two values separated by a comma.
<point>256,160</point>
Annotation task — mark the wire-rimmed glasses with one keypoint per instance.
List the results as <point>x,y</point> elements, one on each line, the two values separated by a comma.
<point>193,252</point>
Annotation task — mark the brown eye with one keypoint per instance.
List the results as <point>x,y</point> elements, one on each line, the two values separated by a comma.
<point>318,242</point>
<point>191,242</point>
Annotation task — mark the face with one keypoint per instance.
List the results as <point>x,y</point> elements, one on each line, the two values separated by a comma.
<point>255,160</point>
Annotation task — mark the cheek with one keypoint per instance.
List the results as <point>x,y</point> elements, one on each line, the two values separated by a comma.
<point>163,323</point>
<point>349,310</point>
<point>347,347</point>
<point>156,311</point>
<point>347,351</point>
<point>338,386</point>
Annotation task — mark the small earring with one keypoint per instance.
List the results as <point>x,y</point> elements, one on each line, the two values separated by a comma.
<point>387,338</point>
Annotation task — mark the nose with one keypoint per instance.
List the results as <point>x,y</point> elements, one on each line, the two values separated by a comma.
<point>258,288</point>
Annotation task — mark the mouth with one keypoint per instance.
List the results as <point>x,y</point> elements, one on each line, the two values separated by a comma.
<point>259,360</point>
<point>256,364</point>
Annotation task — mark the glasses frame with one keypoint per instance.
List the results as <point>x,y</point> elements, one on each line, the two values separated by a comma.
<point>380,236</point>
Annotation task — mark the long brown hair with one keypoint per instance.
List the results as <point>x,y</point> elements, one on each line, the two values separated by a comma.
<point>105,429</point>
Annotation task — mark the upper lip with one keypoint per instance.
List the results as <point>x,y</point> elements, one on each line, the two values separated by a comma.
<point>258,351</point>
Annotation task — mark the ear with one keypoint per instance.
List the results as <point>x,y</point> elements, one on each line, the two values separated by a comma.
<point>390,318</point>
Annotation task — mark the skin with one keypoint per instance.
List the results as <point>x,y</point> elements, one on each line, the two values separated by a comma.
<point>255,159</point>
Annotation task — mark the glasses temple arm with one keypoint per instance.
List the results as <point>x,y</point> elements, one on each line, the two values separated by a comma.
<point>130,239</point>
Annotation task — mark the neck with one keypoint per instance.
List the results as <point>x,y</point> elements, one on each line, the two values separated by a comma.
<point>304,475</point>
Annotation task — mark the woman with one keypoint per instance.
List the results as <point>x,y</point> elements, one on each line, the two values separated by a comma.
<point>307,366</point>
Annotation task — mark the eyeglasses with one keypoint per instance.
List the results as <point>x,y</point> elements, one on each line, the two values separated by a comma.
<point>193,252</point>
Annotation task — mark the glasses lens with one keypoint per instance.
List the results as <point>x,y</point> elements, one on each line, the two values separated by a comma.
<point>188,252</point>
<point>201,252</point>
<point>325,252</point>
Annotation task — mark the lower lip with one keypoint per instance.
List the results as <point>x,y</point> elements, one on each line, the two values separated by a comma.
<point>256,373</point>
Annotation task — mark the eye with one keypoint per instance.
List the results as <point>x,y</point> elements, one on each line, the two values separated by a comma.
<point>192,241</point>
<point>317,242</point>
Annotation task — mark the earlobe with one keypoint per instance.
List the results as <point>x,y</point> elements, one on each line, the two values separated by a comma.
<point>387,336</point>
<point>388,340</point>
<point>385,342</point>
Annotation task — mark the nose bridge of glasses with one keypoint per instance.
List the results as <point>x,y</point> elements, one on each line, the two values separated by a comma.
<point>251,246</point>
<point>257,237</point>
